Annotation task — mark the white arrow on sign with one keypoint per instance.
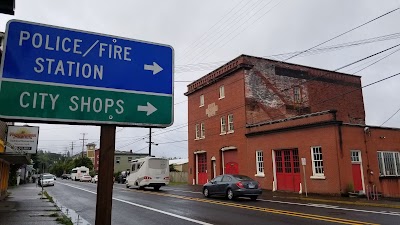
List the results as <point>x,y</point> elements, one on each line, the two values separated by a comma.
<point>149,108</point>
<point>155,68</point>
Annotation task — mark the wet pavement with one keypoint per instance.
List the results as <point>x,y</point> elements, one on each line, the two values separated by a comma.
<point>25,206</point>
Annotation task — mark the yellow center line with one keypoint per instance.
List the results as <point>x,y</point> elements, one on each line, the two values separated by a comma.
<point>262,209</point>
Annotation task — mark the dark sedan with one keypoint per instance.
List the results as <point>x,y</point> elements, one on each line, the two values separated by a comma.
<point>232,186</point>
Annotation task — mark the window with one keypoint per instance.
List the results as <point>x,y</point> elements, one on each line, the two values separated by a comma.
<point>201,100</point>
<point>223,125</point>
<point>355,156</point>
<point>389,163</point>
<point>202,131</point>
<point>230,123</point>
<point>117,159</point>
<point>217,179</point>
<point>197,131</point>
<point>129,159</point>
<point>297,95</point>
<point>226,179</point>
<point>221,92</point>
<point>317,162</point>
<point>260,162</point>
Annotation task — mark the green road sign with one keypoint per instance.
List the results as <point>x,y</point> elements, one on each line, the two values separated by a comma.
<point>43,102</point>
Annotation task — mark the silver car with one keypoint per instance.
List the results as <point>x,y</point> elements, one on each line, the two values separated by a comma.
<point>46,180</point>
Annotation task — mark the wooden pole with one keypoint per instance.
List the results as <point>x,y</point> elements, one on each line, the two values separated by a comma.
<point>106,172</point>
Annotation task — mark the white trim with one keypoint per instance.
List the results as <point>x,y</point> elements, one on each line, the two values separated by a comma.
<point>214,165</point>
<point>361,168</point>
<point>259,175</point>
<point>223,162</point>
<point>197,168</point>
<point>201,101</point>
<point>227,148</point>
<point>317,177</point>
<point>274,183</point>
<point>223,92</point>
<point>199,152</point>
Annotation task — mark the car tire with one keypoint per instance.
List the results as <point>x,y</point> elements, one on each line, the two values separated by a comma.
<point>157,188</point>
<point>206,193</point>
<point>229,194</point>
<point>253,198</point>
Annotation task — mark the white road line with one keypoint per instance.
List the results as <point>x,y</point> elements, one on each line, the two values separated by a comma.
<point>313,205</point>
<point>144,207</point>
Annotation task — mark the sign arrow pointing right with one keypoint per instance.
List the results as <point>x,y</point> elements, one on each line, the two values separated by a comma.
<point>155,68</point>
<point>149,108</point>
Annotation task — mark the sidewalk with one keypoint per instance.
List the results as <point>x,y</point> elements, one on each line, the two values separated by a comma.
<point>313,198</point>
<point>25,206</point>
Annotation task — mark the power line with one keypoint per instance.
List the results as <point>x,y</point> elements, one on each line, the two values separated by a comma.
<point>355,28</point>
<point>390,117</point>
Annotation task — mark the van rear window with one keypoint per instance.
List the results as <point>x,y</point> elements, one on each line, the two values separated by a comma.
<point>158,164</point>
<point>84,171</point>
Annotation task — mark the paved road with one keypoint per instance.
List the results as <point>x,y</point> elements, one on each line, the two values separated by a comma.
<point>176,206</point>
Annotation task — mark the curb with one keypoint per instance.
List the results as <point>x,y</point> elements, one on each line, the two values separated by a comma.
<point>350,203</point>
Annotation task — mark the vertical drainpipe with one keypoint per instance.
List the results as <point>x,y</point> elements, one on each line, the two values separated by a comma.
<point>339,126</point>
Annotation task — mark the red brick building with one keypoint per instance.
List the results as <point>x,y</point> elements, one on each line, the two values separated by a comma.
<point>263,118</point>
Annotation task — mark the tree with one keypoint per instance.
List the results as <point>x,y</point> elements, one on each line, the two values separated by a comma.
<point>83,161</point>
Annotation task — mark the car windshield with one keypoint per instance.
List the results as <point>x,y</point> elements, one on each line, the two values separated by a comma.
<point>47,177</point>
<point>242,177</point>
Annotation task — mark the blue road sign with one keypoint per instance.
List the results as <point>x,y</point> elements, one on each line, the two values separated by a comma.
<point>46,53</point>
<point>60,75</point>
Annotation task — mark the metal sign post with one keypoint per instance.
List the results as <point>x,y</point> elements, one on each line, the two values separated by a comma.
<point>303,163</point>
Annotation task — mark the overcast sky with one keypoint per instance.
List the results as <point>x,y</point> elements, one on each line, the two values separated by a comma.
<point>205,34</point>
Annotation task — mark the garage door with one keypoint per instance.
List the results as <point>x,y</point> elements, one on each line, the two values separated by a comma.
<point>287,170</point>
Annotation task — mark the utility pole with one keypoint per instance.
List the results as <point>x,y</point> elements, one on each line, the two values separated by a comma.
<point>150,142</point>
<point>83,142</point>
<point>72,149</point>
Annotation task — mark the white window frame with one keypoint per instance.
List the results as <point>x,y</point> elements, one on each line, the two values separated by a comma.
<point>231,128</point>
<point>383,163</point>
<point>260,163</point>
<point>197,137</point>
<point>317,175</point>
<point>223,125</point>
<point>222,92</point>
<point>201,100</point>
<point>202,131</point>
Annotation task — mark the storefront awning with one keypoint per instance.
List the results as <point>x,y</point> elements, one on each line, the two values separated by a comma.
<point>15,158</point>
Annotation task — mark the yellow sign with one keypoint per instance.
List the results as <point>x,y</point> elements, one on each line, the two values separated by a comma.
<point>1,146</point>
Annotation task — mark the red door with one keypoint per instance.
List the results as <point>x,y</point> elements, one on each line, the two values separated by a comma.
<point>232,168</point>
<point>356,168</point>
<point>287,170</point>
<point>202,168</point>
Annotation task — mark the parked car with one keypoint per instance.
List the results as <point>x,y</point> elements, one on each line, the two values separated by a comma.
<point>85,178</point>
<point>95,179</point>
<point>66,176</point>
<point>46,180</point>
<point>232,186</point>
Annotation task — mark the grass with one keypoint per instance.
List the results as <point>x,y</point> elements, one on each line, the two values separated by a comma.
<point>49,197</point>
<point>64,220</point>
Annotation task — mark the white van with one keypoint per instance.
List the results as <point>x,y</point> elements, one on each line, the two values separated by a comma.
<point>76,173</point>
<point>148,172</point>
